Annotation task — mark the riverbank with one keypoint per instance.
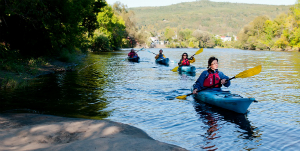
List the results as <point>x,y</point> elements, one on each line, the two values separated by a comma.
<point>14,79</point>
<point>26,131</point>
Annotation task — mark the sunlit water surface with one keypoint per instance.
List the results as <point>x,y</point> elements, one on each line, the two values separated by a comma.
<point>142,95</point>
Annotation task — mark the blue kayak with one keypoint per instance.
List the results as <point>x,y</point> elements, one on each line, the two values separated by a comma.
<point>134,59</point>
<point>188,69</point>
<point>225,99</point>
<point>164,61</point>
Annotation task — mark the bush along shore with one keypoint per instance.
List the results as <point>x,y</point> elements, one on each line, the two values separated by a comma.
<point>16,73</point>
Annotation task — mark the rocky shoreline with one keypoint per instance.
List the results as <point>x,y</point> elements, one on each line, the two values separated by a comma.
<point>27,131</point>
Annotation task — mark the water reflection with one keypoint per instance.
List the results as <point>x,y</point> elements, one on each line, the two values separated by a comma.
<point>185,74</point>
<point>75,94</point>
<point>215,118</point>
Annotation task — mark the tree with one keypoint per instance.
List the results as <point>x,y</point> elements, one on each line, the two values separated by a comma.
<point>36,28</point>
<point>202,36</point>
<point>191,44</point>
<point>111,26</point>
<point>132,31</point>
<point>169,34</point>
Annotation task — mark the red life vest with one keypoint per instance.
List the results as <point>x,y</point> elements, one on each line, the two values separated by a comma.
<point>212,79</point>
<point>131,54</point>
<point>185,62</point>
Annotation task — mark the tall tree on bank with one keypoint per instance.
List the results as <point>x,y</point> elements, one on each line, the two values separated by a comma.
<point>36,28</point>
<point>111,27</point>
<point>134,35</point>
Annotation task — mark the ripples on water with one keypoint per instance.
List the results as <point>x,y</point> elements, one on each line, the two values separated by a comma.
<point>142,95</point>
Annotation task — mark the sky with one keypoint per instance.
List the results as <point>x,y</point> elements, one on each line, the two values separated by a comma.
<point>138,3</point>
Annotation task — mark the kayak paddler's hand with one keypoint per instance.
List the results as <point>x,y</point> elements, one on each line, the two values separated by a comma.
<point>223,81</point>
<point>195,91</point>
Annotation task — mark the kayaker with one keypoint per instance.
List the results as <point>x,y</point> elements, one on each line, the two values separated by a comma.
<point>211,76</point>
<point>132,54</point>
<point>185,60</point>
<point>160,55</point>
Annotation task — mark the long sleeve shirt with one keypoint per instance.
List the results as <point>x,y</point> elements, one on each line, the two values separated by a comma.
<point>199,83</point>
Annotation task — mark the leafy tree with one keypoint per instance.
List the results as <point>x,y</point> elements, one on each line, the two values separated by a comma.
<point>191,44</point>
<point>111,26</point>
<point>132,32</point>
<point>202,36</point>
<point>36,28</point>
<point>169,34</point>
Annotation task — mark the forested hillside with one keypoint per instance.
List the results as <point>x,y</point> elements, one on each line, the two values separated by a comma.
<point>215,17</point>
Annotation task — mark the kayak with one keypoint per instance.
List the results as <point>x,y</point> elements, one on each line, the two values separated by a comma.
<point>225,99</point>
<point>187,69</point>
<point>134,59</point>
<point>164,61</point>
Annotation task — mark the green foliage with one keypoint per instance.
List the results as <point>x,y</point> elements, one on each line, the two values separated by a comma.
<point>133,34</point>
<point>101,43</point>
<point>37,28</point>
<point>185,34</point>
<point>169,34</point>
<point>183,45</point>
<point>191,44</point>
<point>111,26</point>
<point>283,32</point>
<point>215,17</point>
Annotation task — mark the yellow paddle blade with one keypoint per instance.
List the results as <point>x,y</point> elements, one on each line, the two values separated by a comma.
<point>175,69</point>
<point>250,72</point>
<point>183,97</point>
<point>199,51</point>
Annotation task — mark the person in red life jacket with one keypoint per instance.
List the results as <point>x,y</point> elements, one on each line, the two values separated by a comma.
<point>211,78</point>
<point>132,54</point>
<point>185,60</point>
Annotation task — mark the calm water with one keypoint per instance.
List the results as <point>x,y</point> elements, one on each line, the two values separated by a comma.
<point>142,95</point>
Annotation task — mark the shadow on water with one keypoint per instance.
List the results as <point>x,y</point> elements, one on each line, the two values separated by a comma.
<point>72,94</point>
<point>215,117</point>
<point>187,74</point>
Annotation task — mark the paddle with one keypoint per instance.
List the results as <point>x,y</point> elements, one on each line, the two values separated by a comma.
<point>247,73</point>
<point>198,52</point>
<point>140,50</point>
<point>151,52</point>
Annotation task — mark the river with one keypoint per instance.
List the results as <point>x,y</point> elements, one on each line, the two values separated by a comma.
<point>106,86</point>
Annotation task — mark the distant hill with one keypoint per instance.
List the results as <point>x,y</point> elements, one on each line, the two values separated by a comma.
<point>215,17</point>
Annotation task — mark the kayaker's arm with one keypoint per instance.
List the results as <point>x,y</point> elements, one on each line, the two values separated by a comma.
<point>179,63</point>
<point>156,56</point>
<point>199,83</point>
<point>192,59</point>
<point>223,76</point>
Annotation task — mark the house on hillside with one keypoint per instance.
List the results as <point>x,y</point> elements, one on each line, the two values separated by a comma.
<point>227,38</point>
<point>154,40</point>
